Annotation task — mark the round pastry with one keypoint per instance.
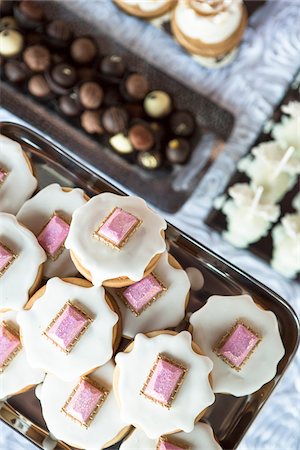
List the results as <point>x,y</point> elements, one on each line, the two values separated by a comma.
<point>16,376</point>
<point>83,412</point>
<point>69,327</point>
<point>157,377</point>
<point>21,259</point>
<point>11,43</point>
<point>48,215</point>
<point>243,341</point>
<point>156,302</point>
<point>146,10</point>
<point>17,182</point>
<point>115,240</point>
<point>201,438</point>
<point>158,104</point>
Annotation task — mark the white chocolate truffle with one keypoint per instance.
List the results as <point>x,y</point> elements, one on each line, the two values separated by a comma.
<point>158,104</point>
<point>11,43</point>
<point>121,143</point>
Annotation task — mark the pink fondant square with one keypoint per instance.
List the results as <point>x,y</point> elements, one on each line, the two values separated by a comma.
<point>117,227</point>
<point>9,344</point>
<point>142,293</point>
<point>164,444</point>
<point>6,257</point>
<point>53,235</point>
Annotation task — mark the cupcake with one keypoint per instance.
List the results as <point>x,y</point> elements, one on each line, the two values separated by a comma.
<point>17,182</point>
<point>16,375</point>
<point>48,215</point>
<point>149,9</point>
<point>155,379</point>
<point>115,240</point>
<point>69,327</point>
<point>242,340</point>
<point>156,302</point>
<point>21,263</point>
<point>83,412</point>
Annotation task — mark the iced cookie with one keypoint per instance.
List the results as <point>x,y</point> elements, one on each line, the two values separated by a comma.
<point>116,240</point>
<point>17,182</point>
<point>157,376</point>
<point>286,132</point>
<point>148,9</point>
<point>243,341</point>
<point>69,328</point>
<point>21,263</point>
<point>16,375</point>
<point>201,438</point>
<point>83,412</point>
<point>48,215</point>
<point>156,302</point>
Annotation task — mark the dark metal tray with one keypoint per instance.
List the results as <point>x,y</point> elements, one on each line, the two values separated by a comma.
<point>230,417</point>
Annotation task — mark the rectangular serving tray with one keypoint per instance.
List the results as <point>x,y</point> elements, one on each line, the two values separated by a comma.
<point>230,417</point>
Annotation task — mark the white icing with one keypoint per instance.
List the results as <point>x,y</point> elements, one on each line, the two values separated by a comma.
<point>215,319</point>
<point>94,347</point>
<point>195,391</point>
<point>18,375</point>
<point>147,5</point>
<point>20,276</point>
<point>196,278</point>
<point>201,438</point>
<point>37,211</point>
<point>205,7</point>
<point>208,29</point>
<point>287,131</point>
<point>106,425</point>
<point>104,262</point>
<point>167,311</point>
<point>19,183</point>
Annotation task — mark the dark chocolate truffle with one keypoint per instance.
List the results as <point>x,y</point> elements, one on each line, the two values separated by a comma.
<point>11,43</point>
<point>91,95</point>
<point>59,31</point>
<point>37,58</point>
<point>32,10</point>
<point>158,104</point>
<point>150,160</point>
<point>15,71</point>
<point>69,105</point>
<point>112,66</point>
<point>115,119</point>
<point>91,122</point>
<point>182,123</point>
<point>141,137</point>
<point>64,75</point>
<point>178,151</point>
<point>38,86</point>
<point>137,86</point>
<point>83,50</point>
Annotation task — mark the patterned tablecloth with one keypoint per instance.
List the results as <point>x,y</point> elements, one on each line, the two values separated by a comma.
<point>250,87</point>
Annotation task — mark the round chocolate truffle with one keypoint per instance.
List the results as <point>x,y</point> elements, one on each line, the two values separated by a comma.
<point>64,75</point>
<point>29,14</point>
<point>91,95</point>
<point>178,151</point>
<point>115,120</point>
<point>112,65</point>
<point>121,143</point>
<point>11,43</point>
<point>15,71</point>
<point>8,23</point>
<point>91,122</point>
<point>141,137</point>
<point>37,58</point>
<point>137,86</point>
<point>38,86</point>
<point>59,32</point>
<point>83,50</point>
<point>158,104</point>
<point>150,160</point>
<point>182,123</point>
<point>69,105</point>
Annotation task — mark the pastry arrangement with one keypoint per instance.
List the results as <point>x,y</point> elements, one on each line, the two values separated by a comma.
<point>63,334</point>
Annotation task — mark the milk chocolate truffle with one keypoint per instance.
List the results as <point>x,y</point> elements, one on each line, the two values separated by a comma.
<point>83,50</point>
<point>182,123</point>
<point>38,86</point>
<point>150,160</point>
<point>8,23</point>
<point>137,86</point>
<point>91,95</point>
<point>112,65</point>
<point>158,104</point>
<point>178,151</point>
<point>121,143</point>
<point>29,14</point>
<point>11,43</point>
<point>115,120</point>
<point>15,71</point>
<point>37,58</point>
<point>141,137</point>
<point>91,122</point>
<point>69,105</point>
<point>59,33</point>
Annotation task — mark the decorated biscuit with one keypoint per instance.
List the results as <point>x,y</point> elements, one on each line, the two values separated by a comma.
<point>157,301</point>
<point>157,377</point>
<point>48,215</point>
<point>115,239</point>
<point>242,340</point>
<point>15,373</point>
<point>17,182</point>
<point>70,328</point>
<point>83,412</point>
<point>21,259</point>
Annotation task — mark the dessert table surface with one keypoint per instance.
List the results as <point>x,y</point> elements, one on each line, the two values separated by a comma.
<point>250,88</point>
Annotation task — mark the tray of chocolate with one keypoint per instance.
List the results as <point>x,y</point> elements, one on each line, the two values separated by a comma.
<point>260,209</point>
<point>117,330</point>
<point>102,103</point>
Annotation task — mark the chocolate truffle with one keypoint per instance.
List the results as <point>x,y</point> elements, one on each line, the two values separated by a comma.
<point>182,123</point>
<point>150,160</point>
<point>141,137</point>
<point>158,104</point>
<point>115,120</point>
<point>11,43</point>
<point>37,58</point>
<point>69,105</point>
<point>83,50</point>
<point>64,75</point>
<point>178,151</point>
<point>8,23</point>
<point>91,95</point>
<point>15,71</point>
<point>91,122</point>
<point>112,65</point>
<point>59,33</point>
<point>137,86</point>
<point>121,143</point>
<point>38,86</point>
<point>29,14</point>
